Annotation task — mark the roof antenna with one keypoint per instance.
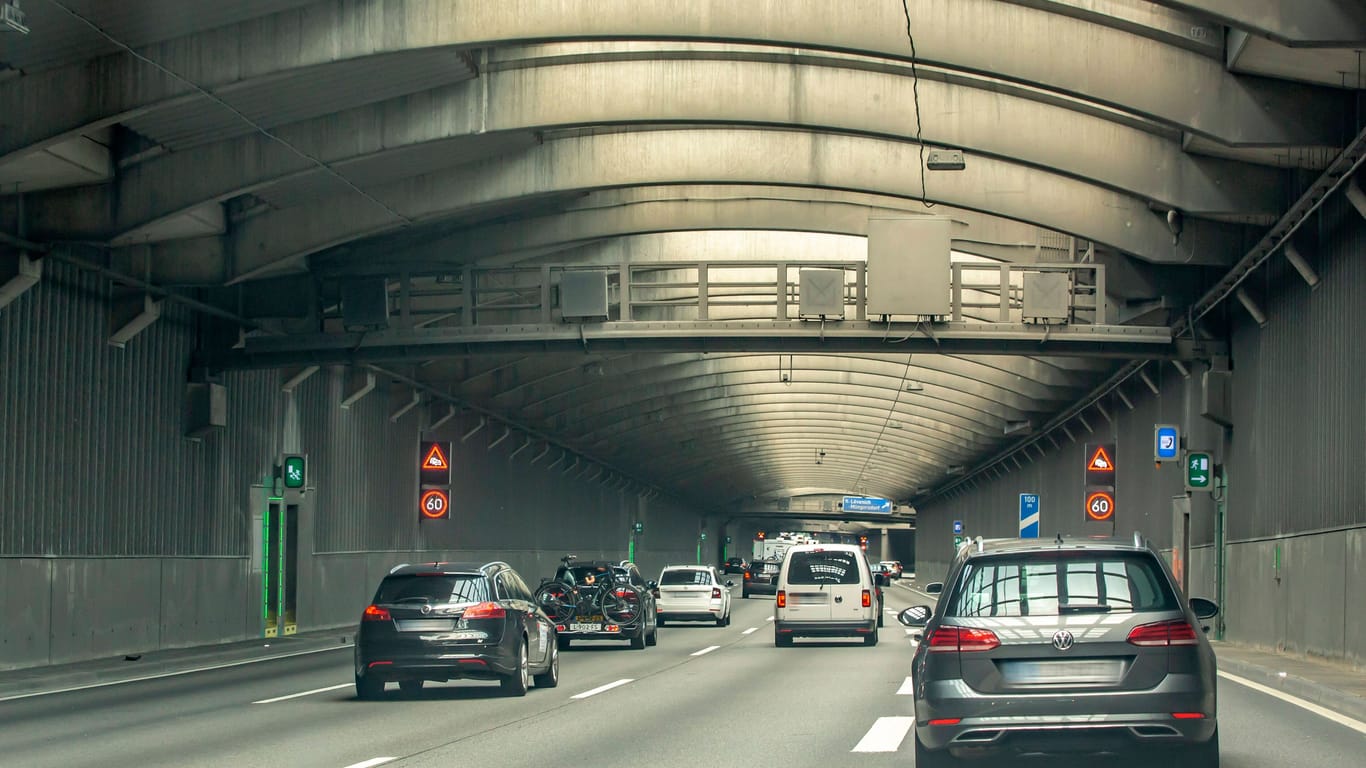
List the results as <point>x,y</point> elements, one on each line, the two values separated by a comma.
<point>1058,541</point>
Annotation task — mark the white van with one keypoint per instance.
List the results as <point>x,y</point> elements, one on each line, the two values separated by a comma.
<point>826,590</point>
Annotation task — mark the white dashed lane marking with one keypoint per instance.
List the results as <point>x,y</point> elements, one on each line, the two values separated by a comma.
<point>602,688</point>
<point>305,693</point>
<point>907,688</point>
<point>706,650</point>
<point>886,735</point>
<point>749,631</point>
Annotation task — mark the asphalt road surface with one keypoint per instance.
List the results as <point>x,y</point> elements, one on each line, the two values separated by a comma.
<point>705,696</point>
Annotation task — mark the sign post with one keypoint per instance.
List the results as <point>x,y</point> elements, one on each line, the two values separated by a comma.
<point>1029,516</point>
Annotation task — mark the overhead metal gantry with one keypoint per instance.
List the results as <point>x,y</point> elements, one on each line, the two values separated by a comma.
<point>250,160</point>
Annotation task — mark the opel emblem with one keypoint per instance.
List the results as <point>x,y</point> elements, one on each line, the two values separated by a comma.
<point>426,609</point>
<point>1062,639</point>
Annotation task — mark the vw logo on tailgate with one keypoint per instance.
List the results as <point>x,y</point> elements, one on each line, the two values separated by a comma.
<point>1062,639</point>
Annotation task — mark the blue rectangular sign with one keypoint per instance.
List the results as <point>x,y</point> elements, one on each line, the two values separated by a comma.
<point>957,526</point>
<point>866,504</point>
<point>1029,515</point>
<point>1166,442</point>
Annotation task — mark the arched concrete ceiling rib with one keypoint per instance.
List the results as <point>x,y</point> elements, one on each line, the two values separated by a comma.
<point>280,240</point>
<point>367,144</point>
<point>1297,23</point>
<point>1010,41</point>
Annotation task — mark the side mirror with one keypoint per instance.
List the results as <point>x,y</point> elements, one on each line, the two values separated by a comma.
<point>730,583</point>
<point>934,588</point>
<point>651,584</point>
<point>915,616</point>
<point>881,579</point>
<point>1204,609</point>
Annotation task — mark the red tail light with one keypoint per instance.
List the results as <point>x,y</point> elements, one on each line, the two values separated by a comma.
<point>947,721</point>
<point>715,591</point>
<point>1188,715</point>
<point>782,599</point>
<point>964,639</point>
<point>1163,633</point>
<point>485,611</point>
<point>746,575</point>
<point>867,599</point>
<point>375,613</point>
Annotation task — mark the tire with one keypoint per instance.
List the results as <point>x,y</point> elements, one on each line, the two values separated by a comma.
<point>781,640</point>
<point>369,688</point>
<point>410,687</point>
<point>871,638</point>
<point>744,594</point>
<point>927,758</point>
<point>551,676</point>
<point>653,637</point>
<point>661,621</point>
<point>516,683</point>
<point>1204,755</point>
<point>720,621</point>
<point>561,643</point>
<point>881,616</point>
<point>638,639</point>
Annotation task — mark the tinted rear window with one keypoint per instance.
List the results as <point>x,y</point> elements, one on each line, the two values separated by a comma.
<point>434,589</point>
<point>674,578</point>
<point>823,568</point>
<point>1034,585</point>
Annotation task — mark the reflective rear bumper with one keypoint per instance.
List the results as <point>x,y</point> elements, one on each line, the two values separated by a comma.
<point>825,628</point>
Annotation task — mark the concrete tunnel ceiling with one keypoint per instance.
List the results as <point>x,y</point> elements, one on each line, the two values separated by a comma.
<point>426,141</point>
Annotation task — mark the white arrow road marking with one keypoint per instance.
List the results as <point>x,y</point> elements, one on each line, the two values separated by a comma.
<point>886,735</point>
<point>602,688</point>
<point>305,693</point>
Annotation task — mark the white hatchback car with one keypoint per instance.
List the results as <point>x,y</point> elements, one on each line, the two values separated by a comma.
<point>693,592</point>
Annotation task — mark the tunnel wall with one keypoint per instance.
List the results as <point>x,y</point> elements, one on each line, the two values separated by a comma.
<point>1295,459</point>
<point>118,534</point>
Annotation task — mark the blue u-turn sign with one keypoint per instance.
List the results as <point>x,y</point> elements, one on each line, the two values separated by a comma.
<point>1029,515</point>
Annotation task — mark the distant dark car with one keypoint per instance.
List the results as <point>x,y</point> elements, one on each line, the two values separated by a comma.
<point>574,599</point>
<point>448,621</point>
<point>1073,646</point>
<point>734,565</point>
<point>761,578</point>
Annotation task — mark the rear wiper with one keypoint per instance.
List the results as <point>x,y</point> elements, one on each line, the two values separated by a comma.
<point>1093,608</point>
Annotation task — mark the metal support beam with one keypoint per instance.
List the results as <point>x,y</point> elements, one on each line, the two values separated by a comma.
<point>412,403</point>
<point>1124,398</point>
<point>544,450</point>
<point>1356,196</point>
<point>506,431</point>
<point>1182,369</point>
<point>526,443</point>
<point>1250,304</point>
<point>19,274</point>
<point>1292,255</point>
<point>1143,374</point>
<point>127,327</point>
<point>437,423</point>
<point>359,384</point>
<point>294,380</point>
<point>465,437</point>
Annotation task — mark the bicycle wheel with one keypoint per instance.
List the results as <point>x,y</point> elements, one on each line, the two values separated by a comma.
<point>557,600</point>
<point>620,605</point>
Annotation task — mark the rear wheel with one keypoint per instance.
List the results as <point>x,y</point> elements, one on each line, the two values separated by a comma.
<point>368,688</point>
<point>410,687</point>
<point>551,676</point>
<point>638,639</point>
<point>720,621</point>
<point>744,594</point>
<point>516,683</point>
<point>927,758</point>
<point>780,640</point>
<point>653,637</point>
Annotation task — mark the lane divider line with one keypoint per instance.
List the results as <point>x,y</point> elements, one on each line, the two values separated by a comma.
<point>305,693</point>
<point>886,735</point>
<point>907,688</point>
<point>706,650</point>
<point>750,631</point>
<point>372,762</point>
<point>602,688</point>
<point>770,618</point>
<point>1324,712</point>
<point>177,673</point>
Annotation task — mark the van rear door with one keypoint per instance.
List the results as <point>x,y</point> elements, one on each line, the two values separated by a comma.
<point>824,585</point>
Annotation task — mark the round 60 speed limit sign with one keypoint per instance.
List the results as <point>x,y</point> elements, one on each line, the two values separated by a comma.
<point>1100,505</point>
<point>435,504</point>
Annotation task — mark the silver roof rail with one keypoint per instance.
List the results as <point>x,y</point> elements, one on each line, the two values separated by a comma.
<point>981,547</point>
<point>1139,541</point>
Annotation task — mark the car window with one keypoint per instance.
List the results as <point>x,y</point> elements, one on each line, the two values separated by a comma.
<point>684,576</point>
<point>1052,586</point>
<point>826,567</point>
<point>445,588</point>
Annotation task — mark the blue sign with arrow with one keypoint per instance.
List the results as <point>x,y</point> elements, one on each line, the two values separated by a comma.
<point>1029,515</point>
<point>866,504</point>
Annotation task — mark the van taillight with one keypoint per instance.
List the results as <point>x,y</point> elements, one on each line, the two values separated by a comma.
<point>485,611</point>
<point>747,576</point>
<point>375,613</point>
<point>782,599</point>
<point>1163,633</point>
<point>715,591</point>
<point>965,639</point>
<point>867,598</point>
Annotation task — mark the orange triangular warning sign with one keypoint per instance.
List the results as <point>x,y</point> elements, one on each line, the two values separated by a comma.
<point>435,459</point>
<point>1100,462</point>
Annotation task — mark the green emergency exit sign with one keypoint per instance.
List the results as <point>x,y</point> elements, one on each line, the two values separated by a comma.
<point>1199,470</point>
<point>294,471</point>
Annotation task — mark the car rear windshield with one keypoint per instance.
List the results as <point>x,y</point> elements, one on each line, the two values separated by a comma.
<point>442,588</point>
<point>832,567</point>
<point>674,578</point>
<point>1062,583</point>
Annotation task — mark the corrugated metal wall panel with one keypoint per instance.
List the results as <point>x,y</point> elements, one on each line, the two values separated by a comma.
<point>1298,451</point>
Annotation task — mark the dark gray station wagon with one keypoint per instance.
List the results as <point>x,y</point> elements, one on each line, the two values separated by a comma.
<point>1069,646</point>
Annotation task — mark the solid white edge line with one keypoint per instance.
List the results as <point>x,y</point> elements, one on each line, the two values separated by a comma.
<point>708,649</point>
<point>171,674</point>
<point>1336,717</point>
<point>602,688</point>
<point>886,735</point>
<point>750,630</point>
<point>372,762</point>
<point>907,688</point>
<point>305,693</point>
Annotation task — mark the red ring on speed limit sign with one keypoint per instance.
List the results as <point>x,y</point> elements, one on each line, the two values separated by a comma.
<point>435,504</point>
<point>1100,506</point>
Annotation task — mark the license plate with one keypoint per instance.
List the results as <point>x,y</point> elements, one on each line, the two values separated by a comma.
<point>425,625</point>
<point>585,627</point>
<point>1055,672</point>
